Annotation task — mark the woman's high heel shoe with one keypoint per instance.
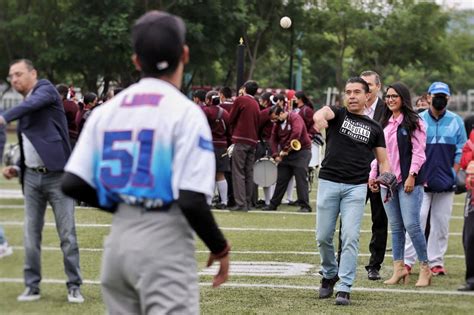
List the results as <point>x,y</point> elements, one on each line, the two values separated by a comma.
<point>399,273</point>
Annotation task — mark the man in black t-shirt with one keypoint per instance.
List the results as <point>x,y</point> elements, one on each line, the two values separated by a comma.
<point>351,137</point>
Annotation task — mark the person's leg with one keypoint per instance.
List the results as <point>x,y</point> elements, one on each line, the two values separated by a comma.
<point>2,236</point>
<point>301,177</point>
<point>468,242</point>
<point>268,192</point>
<point>378,241</point>
<point>410,204</point>
<point>302,193</point>
<point>5,249</point>
<point>328,203</point>
<point>35,207</point>
<point>249,184</point>
<point>394,215</point>
<point>410,252</point>
<point>352,211</point>
<point>395,219</point>
<point>168,282</point>
<point>119,296</point>
<point>238,175</point>
<point>441,209</point>
<point>284,175</point>
<point>289,189</point>
<point>230,189</point>
<point>221,184</point>
<point>63,209</point>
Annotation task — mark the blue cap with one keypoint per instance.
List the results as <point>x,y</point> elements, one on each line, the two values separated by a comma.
<point>439,88</point>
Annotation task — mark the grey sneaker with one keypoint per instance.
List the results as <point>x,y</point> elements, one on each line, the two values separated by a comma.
<point>5,250</point>
<point>30,294</point>
<point>343,298</point>
<point>74,296</point>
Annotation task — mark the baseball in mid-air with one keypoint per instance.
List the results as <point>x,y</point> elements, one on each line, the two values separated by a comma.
<point>285,22</point>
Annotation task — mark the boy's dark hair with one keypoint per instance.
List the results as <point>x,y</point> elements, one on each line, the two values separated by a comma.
<point>200,94</point>
<point>226,91</point>
<point>251,87</point>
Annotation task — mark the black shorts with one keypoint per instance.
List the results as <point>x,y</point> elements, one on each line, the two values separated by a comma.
<point>222,162</point>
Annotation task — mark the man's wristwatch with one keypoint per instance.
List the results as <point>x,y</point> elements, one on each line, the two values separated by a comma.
<point>413,174</point>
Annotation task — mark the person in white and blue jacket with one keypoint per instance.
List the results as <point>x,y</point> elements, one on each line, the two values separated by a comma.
<point>445,138</point>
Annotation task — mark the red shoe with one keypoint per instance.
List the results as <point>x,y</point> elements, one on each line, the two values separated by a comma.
<point>438,271</point>
<point>408,268</point>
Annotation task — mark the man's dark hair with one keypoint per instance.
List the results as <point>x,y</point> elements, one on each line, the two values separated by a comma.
<point>28,62</point>
<point>158,39</point>
<point>226,91</point>
<point>359,80</point>
<point>62,90</point>
<point>250,87</point>
<point>89,97</point>
<point>200,94</point>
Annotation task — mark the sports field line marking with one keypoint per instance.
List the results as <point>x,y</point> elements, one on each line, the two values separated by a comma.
<point>234,252</point>
<point>268,286</point>
<point>97,225</point>
<point>454,217</point>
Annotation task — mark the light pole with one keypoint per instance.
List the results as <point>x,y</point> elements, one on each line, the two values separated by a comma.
<point>290,79</point>
<point>240,64</point>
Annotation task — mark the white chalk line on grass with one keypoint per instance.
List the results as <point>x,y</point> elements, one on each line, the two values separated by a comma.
<point>269,286</point>
<point>96,225</point>
<point>234,252</point>
<point>454,217</point>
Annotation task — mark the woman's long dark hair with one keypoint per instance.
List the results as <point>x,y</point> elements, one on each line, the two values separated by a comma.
<point>304,98</point>
<point>410,116</point>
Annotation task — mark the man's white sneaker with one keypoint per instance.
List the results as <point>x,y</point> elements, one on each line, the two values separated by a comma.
<point>74,296</point>
<point>30,294</point>
<point>5,250</point>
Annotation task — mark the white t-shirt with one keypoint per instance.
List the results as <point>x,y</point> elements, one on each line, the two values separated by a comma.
<point>145,145</point>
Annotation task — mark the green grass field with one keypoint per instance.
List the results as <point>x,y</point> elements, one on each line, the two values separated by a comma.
<point>281,237</point>
<point>268,240</point>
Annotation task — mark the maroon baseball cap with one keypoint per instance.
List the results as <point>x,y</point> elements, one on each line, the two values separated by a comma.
<point>158,39</point>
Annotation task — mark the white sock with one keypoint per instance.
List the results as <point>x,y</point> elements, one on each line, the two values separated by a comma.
<point>289,189</point>
<point>222,189</point>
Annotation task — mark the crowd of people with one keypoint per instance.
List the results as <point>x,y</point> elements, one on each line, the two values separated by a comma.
<point>156,159</point>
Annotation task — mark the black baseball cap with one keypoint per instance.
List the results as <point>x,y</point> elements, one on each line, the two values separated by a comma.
<point>157,39</point>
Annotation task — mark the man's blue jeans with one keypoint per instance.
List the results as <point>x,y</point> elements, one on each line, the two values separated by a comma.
<point>403,212</point>
<point>39,189</point>
<point>348,201</point>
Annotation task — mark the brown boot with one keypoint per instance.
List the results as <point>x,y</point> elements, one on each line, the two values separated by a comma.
<point>425,276</point>
<point>399,273</point>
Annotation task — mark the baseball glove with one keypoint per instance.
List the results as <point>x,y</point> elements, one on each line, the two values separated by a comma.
<point>388,180</point>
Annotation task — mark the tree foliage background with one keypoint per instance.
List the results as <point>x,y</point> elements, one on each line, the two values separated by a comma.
<point>87,43</point>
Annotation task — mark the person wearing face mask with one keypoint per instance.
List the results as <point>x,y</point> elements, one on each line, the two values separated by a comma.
<point>446,137</point>
<point>289,126</point>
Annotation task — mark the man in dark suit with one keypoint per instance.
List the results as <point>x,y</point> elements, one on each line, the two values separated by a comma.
<point>45,149</point>
<point>374,109</point>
